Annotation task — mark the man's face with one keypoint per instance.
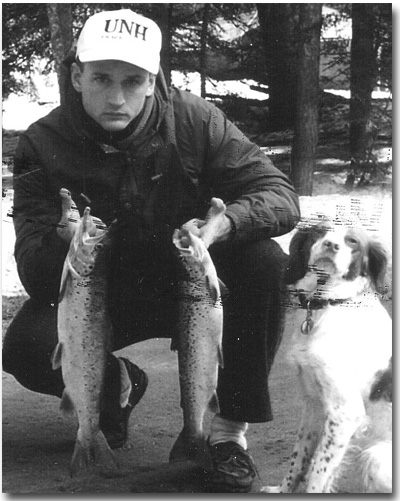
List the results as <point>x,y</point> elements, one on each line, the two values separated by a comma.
<point>113,92</point>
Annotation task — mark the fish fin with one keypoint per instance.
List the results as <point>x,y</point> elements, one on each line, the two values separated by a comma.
<point>220,357</point>
<point>55,357</point>
<point>195,450</point>
<point>213,288</point>
<point>97,453</point>
<point>174,343</point>
<point>214,404</point>
<point>103,455</point>
<point>66,405</point>
<point>199,452</point>
<point>179,449</point>
<point>64,280</point>
<point>223,288</point>
<point>81,459</point>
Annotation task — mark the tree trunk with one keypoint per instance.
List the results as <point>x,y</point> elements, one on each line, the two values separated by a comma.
<point>306,115</point>
<point>60,21</point>
<point>362,80</point>
<point>163,14</point>
<point>278,22</point>
<point>203,50</point>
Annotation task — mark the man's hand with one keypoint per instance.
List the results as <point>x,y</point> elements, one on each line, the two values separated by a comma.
<point>69,216</point>
<point>215,228</point>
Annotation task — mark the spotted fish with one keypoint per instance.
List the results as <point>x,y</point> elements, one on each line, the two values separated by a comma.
<point>199,345</point>
<point>84,338</point>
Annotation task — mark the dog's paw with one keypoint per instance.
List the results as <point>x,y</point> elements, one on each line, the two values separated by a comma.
<point>271,489</point>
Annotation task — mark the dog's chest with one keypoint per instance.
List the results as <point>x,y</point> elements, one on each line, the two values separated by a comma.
<point>344,343</point>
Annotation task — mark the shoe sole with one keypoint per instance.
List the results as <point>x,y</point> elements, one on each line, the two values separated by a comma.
<point>143,383</point>
<point>219,486</point>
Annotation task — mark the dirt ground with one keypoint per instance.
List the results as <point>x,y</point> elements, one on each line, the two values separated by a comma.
<point>38,440</point>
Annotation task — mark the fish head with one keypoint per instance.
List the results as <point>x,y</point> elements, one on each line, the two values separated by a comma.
<point>192,253</point>
<point>197,263</point>
<point>88,245</point>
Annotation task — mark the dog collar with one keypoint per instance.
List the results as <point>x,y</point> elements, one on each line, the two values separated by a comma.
<point>315,304</point>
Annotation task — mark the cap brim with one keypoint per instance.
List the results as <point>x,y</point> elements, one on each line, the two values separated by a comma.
<point>143,59</point>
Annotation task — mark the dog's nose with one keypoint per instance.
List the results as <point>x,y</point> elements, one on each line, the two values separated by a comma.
<point>330,244</point>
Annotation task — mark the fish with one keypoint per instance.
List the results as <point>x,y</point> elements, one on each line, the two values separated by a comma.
<point>84,339</point>
<point>199,343</point>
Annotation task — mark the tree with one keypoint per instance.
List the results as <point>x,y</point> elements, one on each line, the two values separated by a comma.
<point>162,15</point>
<point>203,49</point>
<point>307,96</point>
<point>26,37</point>
<point>226,59</point>
<point>383,44</point>
<point>279,28</point>
<point>363,78</point>
<point>60,21</point>
<point>335,49</point>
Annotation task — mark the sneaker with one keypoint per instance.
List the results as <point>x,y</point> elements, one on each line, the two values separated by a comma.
<point>234,468</point>
<point>115,427</point>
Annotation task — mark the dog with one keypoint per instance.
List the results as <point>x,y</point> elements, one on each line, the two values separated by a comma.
<point>342,351</point>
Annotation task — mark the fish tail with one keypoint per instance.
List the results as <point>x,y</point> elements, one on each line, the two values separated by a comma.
<point>199,452</point>
<point>195,450</point>
<point>97,452</point>
<point>81,459</point>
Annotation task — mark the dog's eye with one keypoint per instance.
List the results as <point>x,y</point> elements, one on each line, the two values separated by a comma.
<point>351,241</point>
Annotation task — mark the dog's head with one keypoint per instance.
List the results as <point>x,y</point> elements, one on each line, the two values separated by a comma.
<point>335,251</point>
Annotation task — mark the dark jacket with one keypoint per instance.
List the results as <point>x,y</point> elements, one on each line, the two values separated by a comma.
<point>152,182</point>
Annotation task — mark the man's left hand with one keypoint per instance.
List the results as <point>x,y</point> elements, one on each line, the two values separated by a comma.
<point>215,228</point>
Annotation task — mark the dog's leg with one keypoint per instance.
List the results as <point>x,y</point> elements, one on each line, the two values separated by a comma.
<point>341,421</point>
<point>307,440</point>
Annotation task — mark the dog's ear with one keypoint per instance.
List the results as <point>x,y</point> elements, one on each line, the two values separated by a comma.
<point>299,253</point>
<point>300,248</point>
<point>376,263</point>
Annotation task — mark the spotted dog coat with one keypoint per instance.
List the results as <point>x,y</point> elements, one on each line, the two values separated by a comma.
<point>342,351</point>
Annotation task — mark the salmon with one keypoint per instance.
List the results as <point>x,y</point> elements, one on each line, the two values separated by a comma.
<point>199,346</point>
<point>84,339</point>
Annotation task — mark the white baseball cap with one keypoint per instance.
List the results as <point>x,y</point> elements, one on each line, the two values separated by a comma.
<point>121,35</point>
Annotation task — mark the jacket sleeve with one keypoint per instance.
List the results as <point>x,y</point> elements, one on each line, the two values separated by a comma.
<point>261,200</point>
<point>39,251</point>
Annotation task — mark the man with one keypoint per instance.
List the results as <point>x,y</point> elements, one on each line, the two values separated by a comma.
<point>151,158</point>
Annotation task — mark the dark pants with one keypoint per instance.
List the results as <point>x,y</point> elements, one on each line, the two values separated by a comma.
<point>253,326</point>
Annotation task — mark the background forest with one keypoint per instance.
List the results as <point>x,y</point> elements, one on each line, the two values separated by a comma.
<point>312,67</point>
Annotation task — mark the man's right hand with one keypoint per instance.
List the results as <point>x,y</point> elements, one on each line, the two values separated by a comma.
<point>69,216</point>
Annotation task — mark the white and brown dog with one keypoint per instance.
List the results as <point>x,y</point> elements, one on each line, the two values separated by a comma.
<point>342,351</point>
